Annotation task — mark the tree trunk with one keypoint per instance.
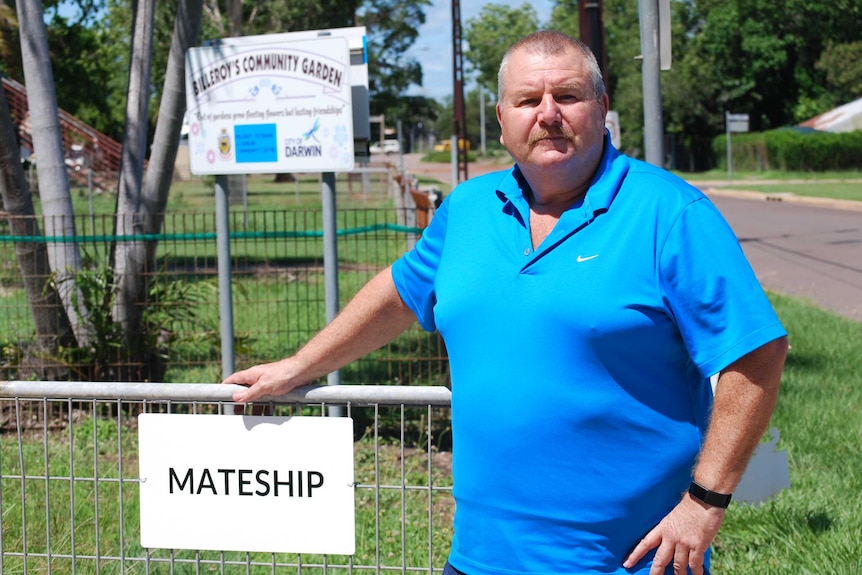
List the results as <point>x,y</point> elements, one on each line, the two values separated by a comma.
<point>235,18</point>
<point>140,257</point>
<point>128,305</point>
<point>172,107</point>
<point>64,257</point>
<point>51,323</point>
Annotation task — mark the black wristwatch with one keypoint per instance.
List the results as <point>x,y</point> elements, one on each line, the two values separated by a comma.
<point>703,494</point>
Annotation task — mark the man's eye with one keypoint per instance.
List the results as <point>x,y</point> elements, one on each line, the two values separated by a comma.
<point>567,98</point>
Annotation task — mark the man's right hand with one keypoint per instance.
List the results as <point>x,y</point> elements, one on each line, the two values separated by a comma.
<point>267,379</point>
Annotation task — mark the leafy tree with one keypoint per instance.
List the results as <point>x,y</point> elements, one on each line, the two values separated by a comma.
<point>236,18</point>
<point>9,47</point>
<point>760,57</point>
<point>82,76</point>
<point>490,34</point>
<point>392,27</point>
<point>841,63</point>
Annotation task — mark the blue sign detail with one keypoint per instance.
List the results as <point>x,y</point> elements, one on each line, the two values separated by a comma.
<point>255,143</point>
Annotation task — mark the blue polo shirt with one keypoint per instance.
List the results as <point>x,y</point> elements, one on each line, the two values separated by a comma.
<point>580,391</point>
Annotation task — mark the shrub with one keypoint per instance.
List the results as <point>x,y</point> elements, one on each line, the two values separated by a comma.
<point>792,150</point>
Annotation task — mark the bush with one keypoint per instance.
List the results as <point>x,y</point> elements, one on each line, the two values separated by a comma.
<point>815,151</point>
<point>791,150</point>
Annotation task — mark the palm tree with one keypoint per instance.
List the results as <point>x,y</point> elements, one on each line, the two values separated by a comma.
<point>52,328</point>
<point>64,256</point>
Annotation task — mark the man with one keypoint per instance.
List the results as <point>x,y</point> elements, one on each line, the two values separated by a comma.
<point>585,299</point>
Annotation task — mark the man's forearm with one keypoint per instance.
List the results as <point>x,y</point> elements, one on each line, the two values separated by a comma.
<point>744,400</point>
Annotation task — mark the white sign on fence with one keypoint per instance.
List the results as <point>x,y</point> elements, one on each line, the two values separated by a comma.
<point>247,483</point>
<point>270,108</point>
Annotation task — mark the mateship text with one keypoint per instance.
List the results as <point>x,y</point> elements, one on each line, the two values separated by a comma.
<point>245,482</point>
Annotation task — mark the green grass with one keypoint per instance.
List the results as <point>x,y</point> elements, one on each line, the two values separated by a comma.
<point>721,174</point>
<point>815,526</point>
<point>834,190</point>
<point>837,185</point>
<point>264,193</point>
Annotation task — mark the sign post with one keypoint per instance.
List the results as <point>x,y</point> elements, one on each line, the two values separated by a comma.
<point>264,104</point>
<point>733,123</point>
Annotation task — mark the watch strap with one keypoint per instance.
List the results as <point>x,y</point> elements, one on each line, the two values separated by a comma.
<point>713,498</point>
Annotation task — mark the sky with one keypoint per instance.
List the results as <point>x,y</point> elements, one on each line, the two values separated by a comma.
<point>433,48</point>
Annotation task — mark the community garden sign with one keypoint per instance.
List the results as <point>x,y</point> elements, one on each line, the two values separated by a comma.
<point>258,107</point>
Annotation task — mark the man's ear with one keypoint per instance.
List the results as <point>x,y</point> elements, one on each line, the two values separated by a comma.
<point>500,121</point>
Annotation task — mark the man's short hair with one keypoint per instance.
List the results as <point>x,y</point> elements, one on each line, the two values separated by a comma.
<point>552,43</point>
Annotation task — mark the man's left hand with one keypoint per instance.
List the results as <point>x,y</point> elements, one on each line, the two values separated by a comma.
<point>682,538</point>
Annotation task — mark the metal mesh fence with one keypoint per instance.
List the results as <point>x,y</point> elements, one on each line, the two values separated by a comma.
<point>69,486</point>
<point>278,296</point>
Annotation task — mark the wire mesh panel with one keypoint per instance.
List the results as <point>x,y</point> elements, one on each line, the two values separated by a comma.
<point>69,486</point>
<point>278,297</point>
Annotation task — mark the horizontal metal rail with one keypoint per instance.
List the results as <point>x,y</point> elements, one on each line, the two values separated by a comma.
<point>437,396</point>
<point>69,484</point>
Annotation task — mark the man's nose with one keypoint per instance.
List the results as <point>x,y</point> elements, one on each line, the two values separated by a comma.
<point>549,111</point>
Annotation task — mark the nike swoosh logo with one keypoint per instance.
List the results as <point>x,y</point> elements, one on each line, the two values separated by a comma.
<point>586,259</point>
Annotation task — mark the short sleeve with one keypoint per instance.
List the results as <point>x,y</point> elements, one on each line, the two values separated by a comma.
<point>718,304</point>
<point>415,272</point>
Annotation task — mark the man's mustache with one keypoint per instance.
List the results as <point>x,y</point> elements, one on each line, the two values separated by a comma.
<point>544,133</point>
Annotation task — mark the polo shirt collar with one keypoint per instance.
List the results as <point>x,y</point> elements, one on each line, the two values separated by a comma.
<point>603,188</point>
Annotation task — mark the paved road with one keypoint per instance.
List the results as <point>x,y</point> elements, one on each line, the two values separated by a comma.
<point>801,248</point>
<point>798,246</point>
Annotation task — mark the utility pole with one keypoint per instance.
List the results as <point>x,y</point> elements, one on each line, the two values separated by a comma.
<point>653,122</point>
<point>459,115</point>
<point>592,32</point>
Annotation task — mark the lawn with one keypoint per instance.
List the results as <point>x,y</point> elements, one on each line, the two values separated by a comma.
<point>839,190</point>
<point>815,526</point>
<point>837,185</point>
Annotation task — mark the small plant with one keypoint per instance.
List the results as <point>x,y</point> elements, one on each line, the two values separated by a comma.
<point>174,318</point>
<point>11,355</point>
